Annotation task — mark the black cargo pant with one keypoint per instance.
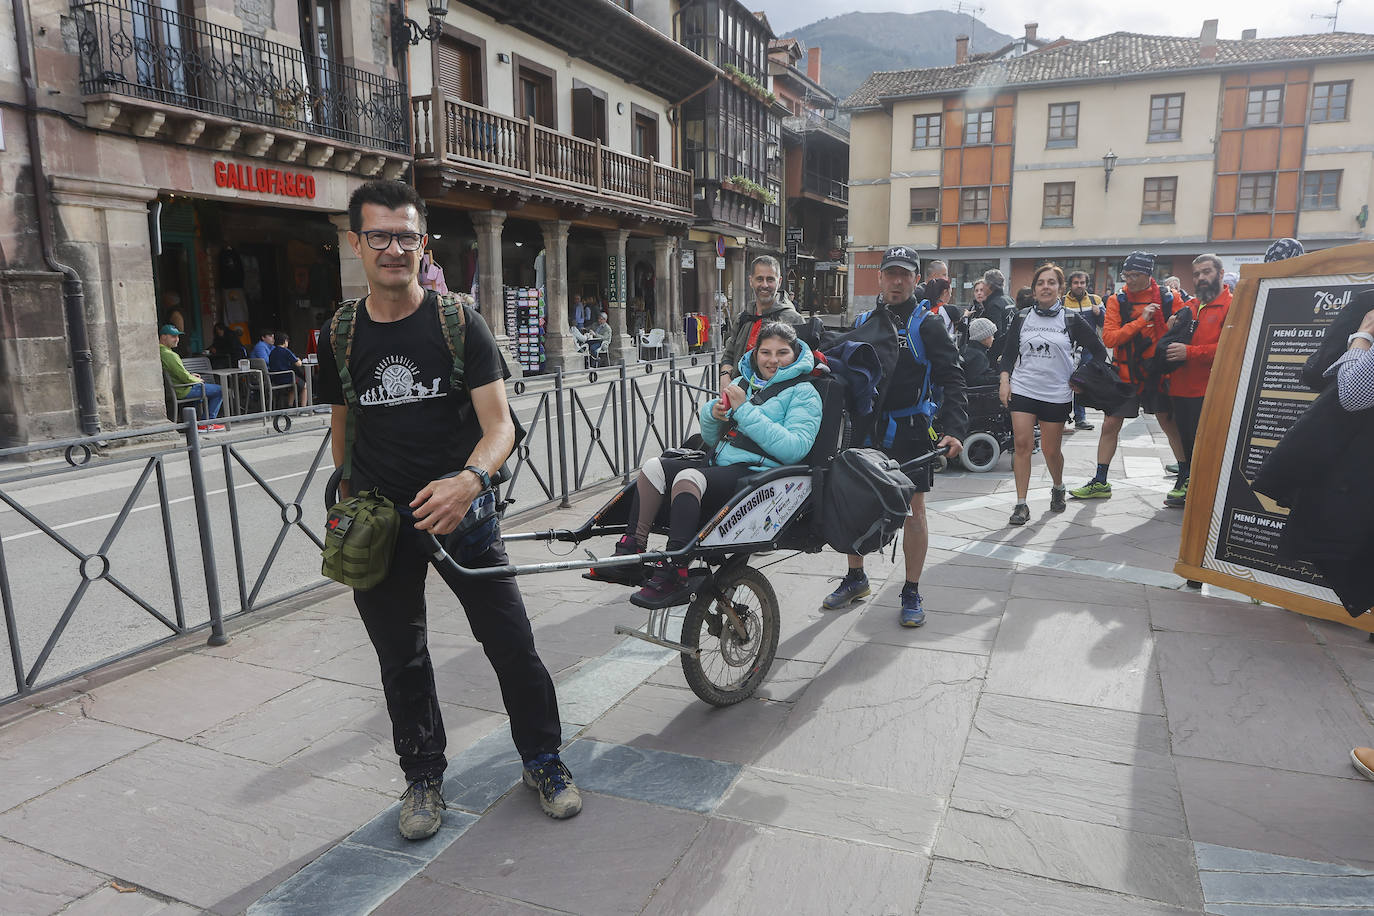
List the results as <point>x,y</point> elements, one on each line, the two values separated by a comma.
<point>1187,414</point>
<point>394,614</point>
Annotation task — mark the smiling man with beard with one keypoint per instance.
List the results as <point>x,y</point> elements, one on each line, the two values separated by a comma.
<point>1188,384</point>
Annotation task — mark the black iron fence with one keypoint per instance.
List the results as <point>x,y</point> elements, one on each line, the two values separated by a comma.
<point>139,49</point>
<point>142,562</point>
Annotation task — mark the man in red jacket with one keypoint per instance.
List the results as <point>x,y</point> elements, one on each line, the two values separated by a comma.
<point>1188,383</point>
<point>1131,328</point>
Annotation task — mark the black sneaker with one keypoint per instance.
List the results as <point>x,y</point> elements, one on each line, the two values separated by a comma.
<point>629,574</point>
<point>421,808</point>
<point>558,795</point>
<point>1058,502</point>
<point>1083,425</point>
<point>669,586</point>
<point>1020,515</point>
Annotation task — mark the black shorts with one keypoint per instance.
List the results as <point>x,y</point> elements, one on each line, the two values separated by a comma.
<point>1044,411</point>
<point>912,441</point>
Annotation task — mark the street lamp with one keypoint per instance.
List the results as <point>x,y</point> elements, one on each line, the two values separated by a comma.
<point>1108,165</point>
<point>406,32</point>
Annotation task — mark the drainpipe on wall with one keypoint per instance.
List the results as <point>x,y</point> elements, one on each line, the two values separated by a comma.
<point>73,295</point>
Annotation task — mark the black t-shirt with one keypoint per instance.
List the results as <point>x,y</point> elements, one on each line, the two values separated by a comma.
<point>410,431</point>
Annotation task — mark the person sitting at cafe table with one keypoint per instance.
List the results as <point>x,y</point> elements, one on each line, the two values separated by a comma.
<point>187,384</point>
<point>225,348</point>
<point>283,366</point>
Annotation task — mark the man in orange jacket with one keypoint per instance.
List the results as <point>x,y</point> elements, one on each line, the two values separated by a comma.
<point>1131,330</point>
<point>1188,383</point>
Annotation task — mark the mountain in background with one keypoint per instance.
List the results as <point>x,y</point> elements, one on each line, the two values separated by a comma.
<point>856,44</point>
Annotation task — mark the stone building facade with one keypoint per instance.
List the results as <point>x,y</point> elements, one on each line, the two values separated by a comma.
<point>198,156</point>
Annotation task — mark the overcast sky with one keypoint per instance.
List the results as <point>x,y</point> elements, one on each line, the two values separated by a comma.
<point>1088,18</point>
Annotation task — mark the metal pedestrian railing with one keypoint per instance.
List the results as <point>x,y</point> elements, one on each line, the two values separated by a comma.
<point>79,594</point>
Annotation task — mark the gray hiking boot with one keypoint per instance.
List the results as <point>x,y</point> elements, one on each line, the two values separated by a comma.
<point>558,795</point>
<point>422,808</point>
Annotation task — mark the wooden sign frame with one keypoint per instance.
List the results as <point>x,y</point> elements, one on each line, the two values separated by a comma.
<point>1215,430</point>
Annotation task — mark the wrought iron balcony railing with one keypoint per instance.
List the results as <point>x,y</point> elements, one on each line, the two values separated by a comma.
<point>832,188</point>
<point>449,129</point>
<point>140,50</point>
<point>813,121</point>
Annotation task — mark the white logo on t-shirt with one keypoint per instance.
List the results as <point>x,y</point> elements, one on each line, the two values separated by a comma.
<point>396,384</point>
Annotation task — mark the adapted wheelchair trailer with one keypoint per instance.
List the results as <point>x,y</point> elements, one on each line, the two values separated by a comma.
<point>729,615</point>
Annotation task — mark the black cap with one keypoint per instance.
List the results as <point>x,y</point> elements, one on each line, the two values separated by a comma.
<point>901,256</point>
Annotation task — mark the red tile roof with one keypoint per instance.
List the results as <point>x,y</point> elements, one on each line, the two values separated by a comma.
<point>1115,56</point>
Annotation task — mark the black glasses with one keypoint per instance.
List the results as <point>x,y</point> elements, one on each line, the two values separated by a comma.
<point>380,240</point>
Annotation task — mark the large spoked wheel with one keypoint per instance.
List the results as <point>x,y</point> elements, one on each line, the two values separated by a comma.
<point>730,666</point>
<point>980,453</point>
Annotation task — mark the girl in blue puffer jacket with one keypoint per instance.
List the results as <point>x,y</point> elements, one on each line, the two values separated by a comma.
<point>783,428</point>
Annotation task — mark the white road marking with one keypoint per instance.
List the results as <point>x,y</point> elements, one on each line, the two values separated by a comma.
<point>109,515</point>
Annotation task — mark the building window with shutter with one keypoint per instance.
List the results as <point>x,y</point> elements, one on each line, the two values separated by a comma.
<point>1330,102</point>
<point>974,205</point>
<point>926,132</point>
<point>925,205</point>
<point>534,92</point>
<point>1166,118</point>
<point>1255,193</point>
<point>1321,190</point>
<point>1063,126</point>
<point>458,69</point>
<point>644,133</point>
<point>1158,206</point>
<point>1058,204</point>
<point>1264,106</point>
<point>978,127</point>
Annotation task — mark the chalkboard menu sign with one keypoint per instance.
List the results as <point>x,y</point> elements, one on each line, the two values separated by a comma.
<point>1277,320</point>
<point>1290,318</point>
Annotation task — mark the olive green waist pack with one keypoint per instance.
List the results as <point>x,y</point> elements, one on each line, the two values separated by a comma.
<point>359,540</point>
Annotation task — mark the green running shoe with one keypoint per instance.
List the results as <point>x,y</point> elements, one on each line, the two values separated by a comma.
<point>1093,489</point>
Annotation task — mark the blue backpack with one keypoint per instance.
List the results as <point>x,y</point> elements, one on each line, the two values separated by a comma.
<point>928,405</point>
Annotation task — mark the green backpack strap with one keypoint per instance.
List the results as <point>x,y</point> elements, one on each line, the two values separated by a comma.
<point>341,329</point>
<point>454,323</point>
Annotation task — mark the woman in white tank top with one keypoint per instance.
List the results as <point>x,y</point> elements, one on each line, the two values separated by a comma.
<point>1037,361</point>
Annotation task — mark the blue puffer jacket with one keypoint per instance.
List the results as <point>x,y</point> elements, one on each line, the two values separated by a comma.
<point>784,426</point>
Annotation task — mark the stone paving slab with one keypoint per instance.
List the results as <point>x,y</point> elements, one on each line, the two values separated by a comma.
<point>1080,654</point>
<point>1322,818</point>
<point>1109,735</point>
<point>1077,852</point>
<point>1189,613</point>
<point>109,902</point>
<point>53,746</point>
<point>659,777</point>
<point>33,883</point>
<point>1260,703</point>
<point>667,719</point>
<point>870,714</point>
<point>1137,798</point>
<point>827,807</point>
<point>156,700</point>
<point>736,869</point>
<point>956,888</point>
<point>605,863</point>
<point>421,895</point>
<point>211,830</point>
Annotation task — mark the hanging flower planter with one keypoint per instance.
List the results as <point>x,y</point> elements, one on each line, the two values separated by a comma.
<point>741,185</point>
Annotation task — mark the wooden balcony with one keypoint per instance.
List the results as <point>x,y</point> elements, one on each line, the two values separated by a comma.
<point>456,133</point>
